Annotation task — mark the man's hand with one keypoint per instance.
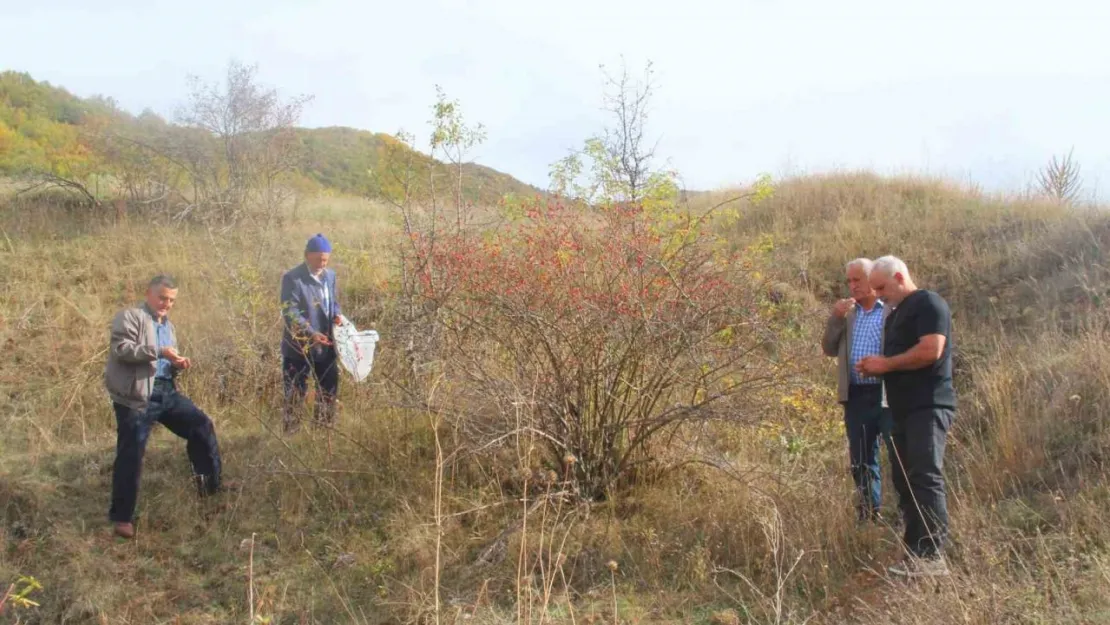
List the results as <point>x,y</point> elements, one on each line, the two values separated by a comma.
<point>841,307</point>
<point>177,361</point>
<point>320,338</point>
<point>873,366</point>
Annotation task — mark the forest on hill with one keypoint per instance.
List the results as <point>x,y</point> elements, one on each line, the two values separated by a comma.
<point>223,138</point>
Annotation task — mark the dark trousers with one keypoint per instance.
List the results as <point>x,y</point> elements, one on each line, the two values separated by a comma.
<point>323,366</point>
<point>919,440</point>
<point>865,422</point>
<point>181,417</point>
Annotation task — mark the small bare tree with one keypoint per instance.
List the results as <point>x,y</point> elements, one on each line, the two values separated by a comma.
<point>255,138</point>
<point>627,100</point>
<point>618,165</point>
<point>1059,179</point>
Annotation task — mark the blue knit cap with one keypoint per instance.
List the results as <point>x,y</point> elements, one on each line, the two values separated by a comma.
<point>318,244</point>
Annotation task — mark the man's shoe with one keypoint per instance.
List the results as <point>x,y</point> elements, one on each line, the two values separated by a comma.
<point>224,486</point>
<point>912,566</point>
<point>125,530</point>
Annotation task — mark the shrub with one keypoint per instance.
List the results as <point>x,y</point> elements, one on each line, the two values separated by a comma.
<point>597,332</point>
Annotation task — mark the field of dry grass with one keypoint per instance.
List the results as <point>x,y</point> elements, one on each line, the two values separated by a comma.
<point>341,528</point>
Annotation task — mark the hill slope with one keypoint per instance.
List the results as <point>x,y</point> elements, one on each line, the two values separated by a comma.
<point>342,528</point>
<point>47,133</point>
<point>344,158</point>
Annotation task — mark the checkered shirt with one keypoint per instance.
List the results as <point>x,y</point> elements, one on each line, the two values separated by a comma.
<point>867,340</point>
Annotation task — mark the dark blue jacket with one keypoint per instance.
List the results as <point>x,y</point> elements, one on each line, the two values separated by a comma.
<point>304,310</point>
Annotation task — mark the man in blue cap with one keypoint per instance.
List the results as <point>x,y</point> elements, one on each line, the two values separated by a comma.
<point>310,308</point>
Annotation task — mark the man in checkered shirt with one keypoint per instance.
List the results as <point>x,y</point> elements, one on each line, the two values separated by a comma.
<point>853,332</point>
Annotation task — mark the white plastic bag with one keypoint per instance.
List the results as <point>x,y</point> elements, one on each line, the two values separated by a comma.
<point>355,349</point>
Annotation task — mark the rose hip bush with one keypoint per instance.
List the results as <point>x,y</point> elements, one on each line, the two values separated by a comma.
<point>600,331</point>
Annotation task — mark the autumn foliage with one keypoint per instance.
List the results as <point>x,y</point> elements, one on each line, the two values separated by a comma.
<point>599,330</point>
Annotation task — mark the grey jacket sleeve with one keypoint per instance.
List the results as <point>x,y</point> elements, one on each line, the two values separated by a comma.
<point>125,343</point>
<point>834,331</point>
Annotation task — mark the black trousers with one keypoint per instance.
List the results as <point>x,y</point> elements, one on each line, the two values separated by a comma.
<point>919,440</point>
<point>323,366</point>
<point>180,416</point>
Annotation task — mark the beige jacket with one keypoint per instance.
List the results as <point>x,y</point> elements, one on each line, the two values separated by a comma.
<point>838,337</point>
<point>133,357</point>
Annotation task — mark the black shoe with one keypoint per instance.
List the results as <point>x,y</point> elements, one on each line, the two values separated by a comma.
<point>206,489</point>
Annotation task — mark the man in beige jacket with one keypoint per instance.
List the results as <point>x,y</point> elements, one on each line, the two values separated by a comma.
<point>142,364</point>
<point>855,331</point>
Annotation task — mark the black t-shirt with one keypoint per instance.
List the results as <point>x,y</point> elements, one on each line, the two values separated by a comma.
<point>920,314</point>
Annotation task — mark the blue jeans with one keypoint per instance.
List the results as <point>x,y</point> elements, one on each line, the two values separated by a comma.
<point>865,420</point>
<point>180,416</point>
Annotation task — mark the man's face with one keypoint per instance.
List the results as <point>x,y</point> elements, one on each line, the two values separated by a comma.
<point>858,285</point>
<point>889,288</point>
<point>161,299</point>
<point>316,261</point>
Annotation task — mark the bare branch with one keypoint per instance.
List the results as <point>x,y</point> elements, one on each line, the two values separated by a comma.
<point>1059,179</point>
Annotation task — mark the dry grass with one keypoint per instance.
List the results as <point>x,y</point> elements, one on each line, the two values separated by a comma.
<point>1002,262</point>
<point>344,526</point>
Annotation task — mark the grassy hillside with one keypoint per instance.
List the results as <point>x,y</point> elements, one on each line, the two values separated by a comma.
<point>345,159</point>
<point>342,528</point>
<point>49,135</point>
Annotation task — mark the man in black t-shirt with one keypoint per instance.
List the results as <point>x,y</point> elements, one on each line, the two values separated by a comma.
<point>916,367</point>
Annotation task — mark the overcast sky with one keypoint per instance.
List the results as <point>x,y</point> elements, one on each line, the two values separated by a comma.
<point>979,90</point>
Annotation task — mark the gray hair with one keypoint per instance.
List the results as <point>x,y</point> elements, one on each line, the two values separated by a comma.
<point>891,265</point>
<point>162,280</point>
<point>866,264</point>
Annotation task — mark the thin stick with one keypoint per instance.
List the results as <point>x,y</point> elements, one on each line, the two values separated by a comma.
<point>9,240</point>
<point>613,585</point>
<point>250,580</point>
<point>438,505</point>
<point>4,599</point>
<point>566,592</point>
